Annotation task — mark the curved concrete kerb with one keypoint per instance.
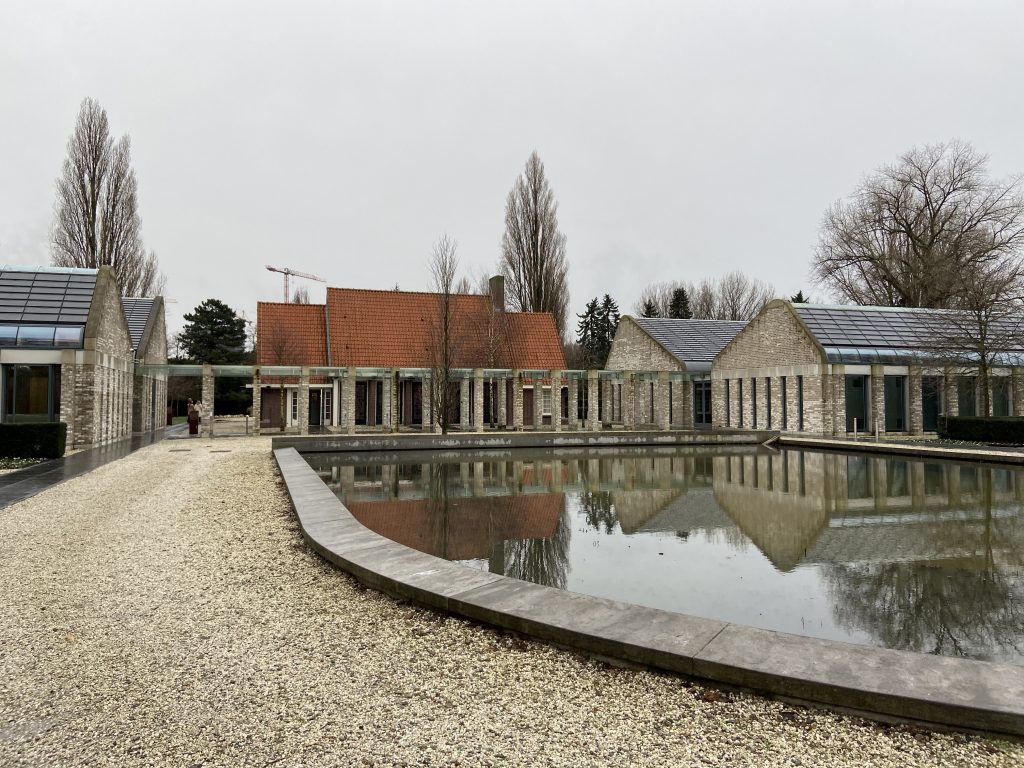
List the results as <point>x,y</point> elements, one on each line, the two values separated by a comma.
<point>948,691</point>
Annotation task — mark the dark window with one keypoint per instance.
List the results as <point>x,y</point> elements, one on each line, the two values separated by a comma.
<point>1000,396</point>
<point>800,404</point>
<point>31,393</point>
<point>739,398</point>
<point>783,404</point>
<point>360,402</point>
<point>728,406</point>
<point>967,395</point>
<point>768,401</point>
<point>753,403</point>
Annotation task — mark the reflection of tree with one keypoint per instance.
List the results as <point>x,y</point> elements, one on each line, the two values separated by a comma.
<point>542,561</point>
<point>971,605</point>
<point>599,511</point>
<point>440,505</point>
<point>931,609</point>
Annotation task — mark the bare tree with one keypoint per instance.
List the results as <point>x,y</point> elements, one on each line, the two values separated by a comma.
<point>96,219</point>
<point>986,330</point>
<point>732,297</point>
<point>279,348</point>
<point>444,337</point>
<point>910,232</point>
<point>533,249</point>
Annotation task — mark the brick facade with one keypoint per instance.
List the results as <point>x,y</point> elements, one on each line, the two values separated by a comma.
<point>634,350</point>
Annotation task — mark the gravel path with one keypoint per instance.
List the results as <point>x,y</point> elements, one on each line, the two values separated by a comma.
<point>185,623</point>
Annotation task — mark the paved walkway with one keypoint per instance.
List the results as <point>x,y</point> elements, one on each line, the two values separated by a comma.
<point>24,483</point>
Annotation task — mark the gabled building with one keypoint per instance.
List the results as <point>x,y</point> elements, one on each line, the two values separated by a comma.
<point>65,352</point>
<point>145,318</point>
<point>385,342</point>
<point>850,369</point>
<point>674,345</point>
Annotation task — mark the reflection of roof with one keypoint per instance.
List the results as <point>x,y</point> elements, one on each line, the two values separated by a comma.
<point>693,510</point>
<point>46,294</point>
<point>692,341</point>
<point>137,312</point>
<point>468,529</point>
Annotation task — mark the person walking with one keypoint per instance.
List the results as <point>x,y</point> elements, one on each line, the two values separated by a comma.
<point>193,418</point>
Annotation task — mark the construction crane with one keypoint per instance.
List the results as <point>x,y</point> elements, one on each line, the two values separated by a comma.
<point>288,273</point>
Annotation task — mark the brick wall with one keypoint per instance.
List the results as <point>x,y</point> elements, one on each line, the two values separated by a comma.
<point>634,350</point>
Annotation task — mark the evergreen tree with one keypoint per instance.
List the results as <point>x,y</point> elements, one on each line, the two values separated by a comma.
<point>798,297</point>
<point>588,333</point>
<point>649,309</point>
<point>213,333</point>
<point>679,306</point>
<point>607,324</point>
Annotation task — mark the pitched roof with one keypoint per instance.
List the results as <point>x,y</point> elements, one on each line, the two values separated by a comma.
<point>290,334</point>
<point>52,295</point>
<point>865,334</point>
<point>691,341</point>
<point>137,313</point>
<point>393,329</point>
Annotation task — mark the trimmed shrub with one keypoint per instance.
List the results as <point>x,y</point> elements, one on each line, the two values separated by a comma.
<point>33,441</point>
<point>990,429</point>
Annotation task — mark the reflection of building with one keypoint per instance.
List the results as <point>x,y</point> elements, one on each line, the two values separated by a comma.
<point>465,528</point>
<point>843,369</point>
<point>68,353</point>
<point>802,508</point>
<point>666,344</point>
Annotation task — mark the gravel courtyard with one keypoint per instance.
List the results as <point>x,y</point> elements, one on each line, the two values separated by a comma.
<point>163,610</point>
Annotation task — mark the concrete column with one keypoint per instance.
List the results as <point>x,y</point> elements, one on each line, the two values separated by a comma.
<point>661,389</point>
<point>517,400</point>
<point>349,398</point>
<point>556,400</point>
<point>304,401</point>
<point>606,414</point>
<point>207,400</point>
<point>593,416</point>
<point>465,417</point>
<point>683,404</point>
<point>502,401</point>
<point>385,407</point>
<point>478,399</point>
<point>877,399</point>
<point>257,401</point>
<point>629,400</point>
<point>1017,391</point>
<point>950,393</point>
<point>915,417</point>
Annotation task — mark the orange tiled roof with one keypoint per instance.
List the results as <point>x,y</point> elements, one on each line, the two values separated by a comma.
<point>393,329</point>
<point>290,334</point>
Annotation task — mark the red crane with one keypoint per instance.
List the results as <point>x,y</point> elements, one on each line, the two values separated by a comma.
<point>287,273</point>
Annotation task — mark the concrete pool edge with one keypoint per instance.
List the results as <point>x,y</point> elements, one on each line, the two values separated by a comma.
<point>952,692</point>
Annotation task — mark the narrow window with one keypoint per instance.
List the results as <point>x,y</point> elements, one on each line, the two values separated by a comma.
<point>768,402</point>
<point>800,403</point>
<point>753,403</point>
<point>739,386</point>
<point>728,406</point>
<point>783,405</point>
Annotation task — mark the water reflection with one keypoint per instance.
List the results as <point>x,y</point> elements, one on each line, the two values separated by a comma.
<point>924,556</point>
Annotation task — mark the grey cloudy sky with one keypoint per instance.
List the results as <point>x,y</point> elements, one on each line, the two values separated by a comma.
<point>681,140</point>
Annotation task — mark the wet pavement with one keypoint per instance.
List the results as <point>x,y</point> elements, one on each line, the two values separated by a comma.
<point>23,483</point>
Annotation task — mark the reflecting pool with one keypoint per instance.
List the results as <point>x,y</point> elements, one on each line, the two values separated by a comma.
<point>917,555</point>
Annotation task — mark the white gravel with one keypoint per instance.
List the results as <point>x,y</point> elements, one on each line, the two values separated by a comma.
<point>163,610</point>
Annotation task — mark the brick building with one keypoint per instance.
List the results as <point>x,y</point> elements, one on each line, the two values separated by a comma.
<point>842,369</point>
<point>66,353</point>
<point>145,318</point>
<point>369,355</point>
<point>673,345</point>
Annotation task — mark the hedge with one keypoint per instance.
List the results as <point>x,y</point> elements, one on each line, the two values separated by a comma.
<point>33,441</point>
<point>991,429</point>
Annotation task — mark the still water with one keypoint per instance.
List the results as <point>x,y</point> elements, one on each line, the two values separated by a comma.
<point>917,555</point>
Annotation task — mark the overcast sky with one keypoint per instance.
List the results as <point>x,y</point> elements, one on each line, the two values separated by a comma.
<point>681,140</point>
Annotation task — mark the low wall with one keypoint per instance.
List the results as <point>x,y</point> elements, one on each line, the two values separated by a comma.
<point>954,692</point>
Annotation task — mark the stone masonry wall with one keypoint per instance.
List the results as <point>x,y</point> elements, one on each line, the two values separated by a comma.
<point>633,350</point>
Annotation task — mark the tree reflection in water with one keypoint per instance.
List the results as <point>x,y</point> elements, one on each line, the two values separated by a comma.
<point>968,601</point>
<point>599,511</point>
<point>542,561</point>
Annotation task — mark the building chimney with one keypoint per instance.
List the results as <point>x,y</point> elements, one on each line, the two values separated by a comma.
<point>497,288</point>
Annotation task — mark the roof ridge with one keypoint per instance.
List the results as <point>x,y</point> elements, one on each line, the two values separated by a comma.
<point>410,293</point>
